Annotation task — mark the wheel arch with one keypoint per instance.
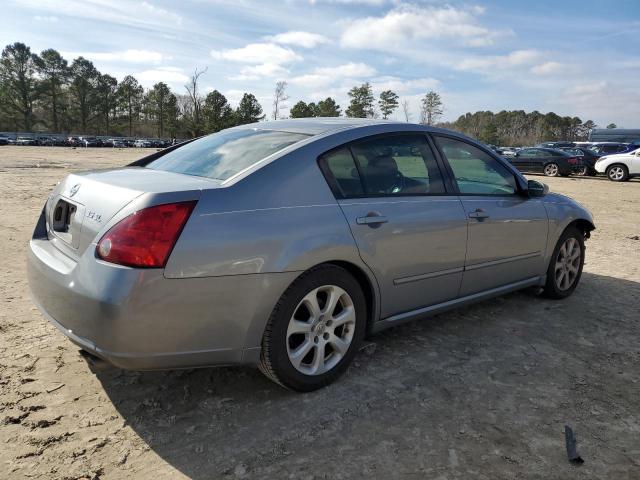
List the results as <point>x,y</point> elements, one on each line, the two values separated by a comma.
<point>365,279</point>
<point>586,226</point>
<point>369,288</point>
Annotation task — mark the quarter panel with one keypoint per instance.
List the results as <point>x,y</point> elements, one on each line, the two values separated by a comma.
<point>262,241</point>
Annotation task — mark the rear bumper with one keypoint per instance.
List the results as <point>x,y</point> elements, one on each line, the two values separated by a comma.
<point>137,319</point>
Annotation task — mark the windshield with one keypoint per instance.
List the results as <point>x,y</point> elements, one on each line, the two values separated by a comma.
<point>222,155</point>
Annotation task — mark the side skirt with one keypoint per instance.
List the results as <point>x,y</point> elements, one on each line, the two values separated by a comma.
<point>458,302</point>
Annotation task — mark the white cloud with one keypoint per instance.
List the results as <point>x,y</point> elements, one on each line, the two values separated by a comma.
<point>603,101</point>
<point>128,56</point>
<point>120,12</point>
<point>401,86</point>
<point>256,72</point>
<point>322,77</point>
<point>552,68</point>
<point>299,39</point>
<point>46,18</point>
<point>406,24</point>
<point>491,62</point>
<point>233,96</point>
<point>258,53</point>
<point>171,75</point>
<point>354,2</point>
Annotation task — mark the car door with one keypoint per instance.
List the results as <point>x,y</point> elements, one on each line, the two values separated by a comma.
<point>408,230</point>
<point>539,159</point>
<point>634,162</point>
<point>507,232</point>
<point>520,160</point>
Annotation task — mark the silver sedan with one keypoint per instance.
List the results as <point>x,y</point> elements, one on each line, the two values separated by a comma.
<point>284,243</point>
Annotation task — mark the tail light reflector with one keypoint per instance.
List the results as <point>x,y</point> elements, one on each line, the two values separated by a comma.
<point>145,238</point>
<point>572,160</point>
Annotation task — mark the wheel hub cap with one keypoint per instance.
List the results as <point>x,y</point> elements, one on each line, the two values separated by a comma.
<point>567,264</point>
<point>321,330</point>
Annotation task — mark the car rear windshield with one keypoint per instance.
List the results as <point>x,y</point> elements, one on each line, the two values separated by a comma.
<point>222,155</point>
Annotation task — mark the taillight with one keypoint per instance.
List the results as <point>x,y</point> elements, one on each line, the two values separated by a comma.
<point>145,238</point>
<point>572,160</point>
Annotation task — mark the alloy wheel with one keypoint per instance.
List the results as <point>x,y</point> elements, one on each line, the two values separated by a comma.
<point>551,170</point>
<point>616,173</point>
<point>321,330</point>
<point>568,264</point>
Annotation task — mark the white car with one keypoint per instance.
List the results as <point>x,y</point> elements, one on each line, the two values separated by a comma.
<point>620,167</point>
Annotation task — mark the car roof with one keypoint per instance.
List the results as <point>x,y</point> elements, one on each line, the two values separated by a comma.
<point>317,125</point>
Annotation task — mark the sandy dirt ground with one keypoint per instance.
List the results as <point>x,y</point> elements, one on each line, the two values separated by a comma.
<point>483,392</point>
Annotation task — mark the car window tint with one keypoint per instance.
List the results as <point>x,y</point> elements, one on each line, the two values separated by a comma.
<point>475,171</point>
<point>226,153</point>
<point>343,168</point>
<point>398,165</point>
<point>529,153</point>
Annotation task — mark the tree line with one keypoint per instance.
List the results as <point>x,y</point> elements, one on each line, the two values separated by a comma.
<point>46,93</point>
<point>518,128</point>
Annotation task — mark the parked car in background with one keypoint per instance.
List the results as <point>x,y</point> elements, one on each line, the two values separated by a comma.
<point>193,256</point>
<point>556,144</point>
<point>609,148</point>
<point>50,141</point>
<point>89,142</point>
<point>550,161</point>
<point>620,167</point>
<point>588,157</point>
<point>114,143</point>
<point>26,141</point>
<point>508,151</point>
<point>142,143</point>
<point>4,140</point>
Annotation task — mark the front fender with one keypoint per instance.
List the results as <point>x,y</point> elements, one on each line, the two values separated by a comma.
<point>562,212</point>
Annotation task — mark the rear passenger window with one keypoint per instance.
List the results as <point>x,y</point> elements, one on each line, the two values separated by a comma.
<point>342,167</point>
<point>397,165</point>
<point>390,165</point>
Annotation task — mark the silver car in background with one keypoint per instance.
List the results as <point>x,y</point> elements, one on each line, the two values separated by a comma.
<point>284,243</point>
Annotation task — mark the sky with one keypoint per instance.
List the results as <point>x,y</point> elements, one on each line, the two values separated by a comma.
<point>572,57</point>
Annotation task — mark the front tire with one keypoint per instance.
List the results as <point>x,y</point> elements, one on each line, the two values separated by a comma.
<point>552,170</point>
<point>314,330</point>
<point>565,267</point>
<point>617,173</point>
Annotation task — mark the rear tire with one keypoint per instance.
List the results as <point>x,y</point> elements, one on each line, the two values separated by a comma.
<point>314,330</point>
<point>552,170</point>
<point>617,173</point>
<point>583,172</point>
<point>565,266</point>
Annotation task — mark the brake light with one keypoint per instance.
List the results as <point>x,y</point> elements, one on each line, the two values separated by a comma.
<point>146,237</point>
<point>572,160</point>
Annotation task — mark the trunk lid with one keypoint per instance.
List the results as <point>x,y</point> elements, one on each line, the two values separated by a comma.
<point>83,203</point>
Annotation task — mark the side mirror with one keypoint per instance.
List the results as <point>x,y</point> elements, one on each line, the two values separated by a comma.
<point>537,189</point>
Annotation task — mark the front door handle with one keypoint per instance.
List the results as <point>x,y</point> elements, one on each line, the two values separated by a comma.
<point>371,219</point>
<point>479,214</point>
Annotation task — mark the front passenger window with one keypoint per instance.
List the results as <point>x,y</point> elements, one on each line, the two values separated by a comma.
<point>475,171</point>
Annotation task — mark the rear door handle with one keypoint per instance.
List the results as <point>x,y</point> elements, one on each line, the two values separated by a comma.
<point>371,220</point>
<point>479,214</point>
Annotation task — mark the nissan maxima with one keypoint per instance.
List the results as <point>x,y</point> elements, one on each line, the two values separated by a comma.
<point>283,244</point>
